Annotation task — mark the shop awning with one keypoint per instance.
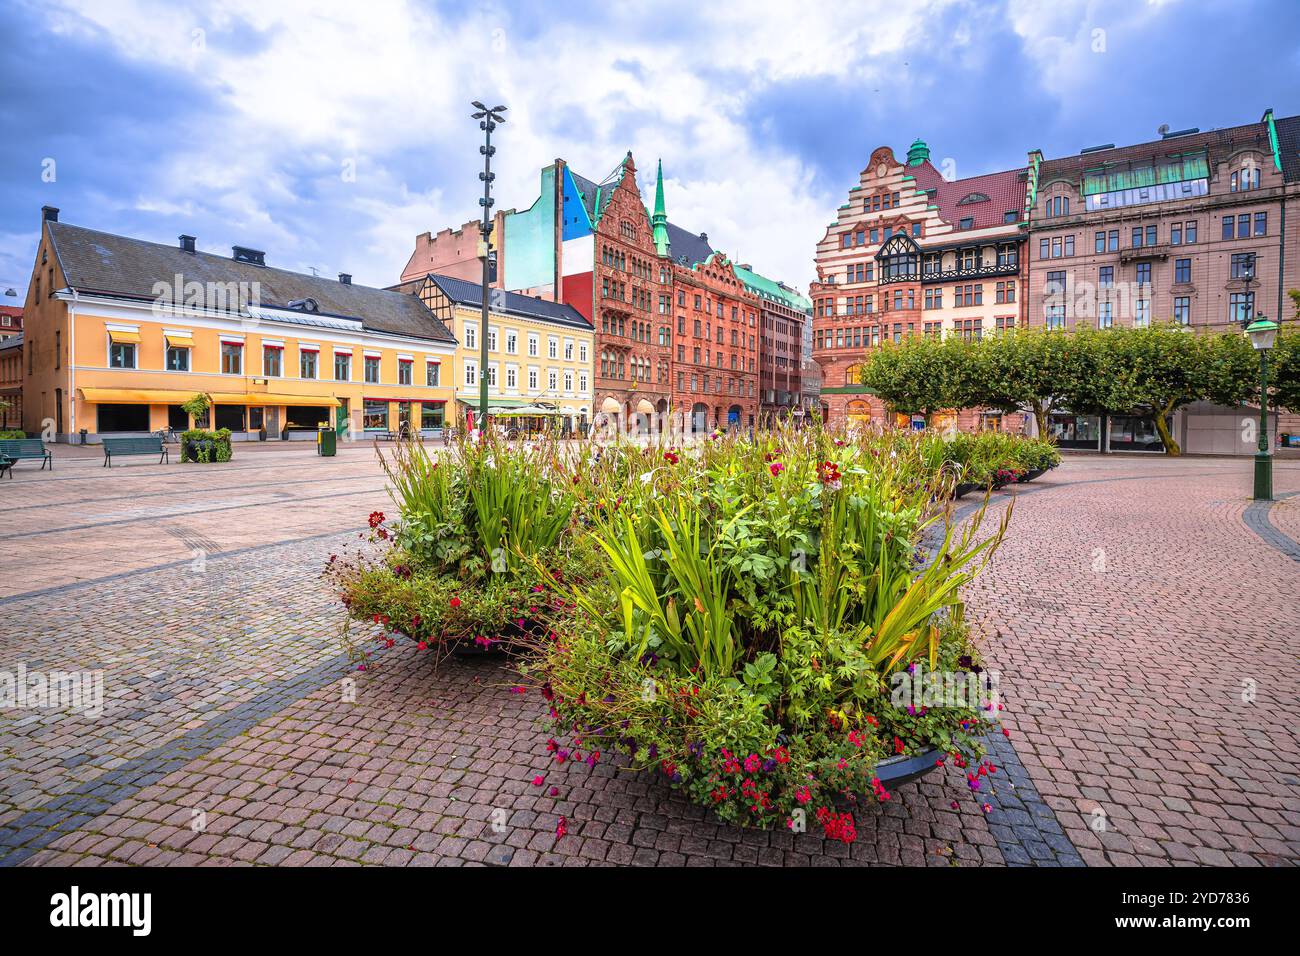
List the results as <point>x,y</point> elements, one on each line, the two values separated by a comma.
<point>135,396</point>
<point>118,337</point>
<point>180,342</point>
<point>525,411</point>
<point>271,398</point>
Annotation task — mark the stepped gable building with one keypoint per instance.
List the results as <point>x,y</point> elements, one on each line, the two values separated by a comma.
<point>913,253</point>
<point>635,276</point>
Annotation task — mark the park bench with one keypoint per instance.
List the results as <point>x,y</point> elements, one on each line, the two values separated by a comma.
<point>6,465</point>
<point>16,449</point>
<point>153,445</point>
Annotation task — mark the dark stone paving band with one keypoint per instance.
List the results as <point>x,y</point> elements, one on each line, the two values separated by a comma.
<point>36,829</point>
<point>1257,520</point>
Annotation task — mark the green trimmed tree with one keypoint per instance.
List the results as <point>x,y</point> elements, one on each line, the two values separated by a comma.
<point>1284,363</point>
<point>923,375</point>
<point>1162,368</point>
<point>1033,369</point>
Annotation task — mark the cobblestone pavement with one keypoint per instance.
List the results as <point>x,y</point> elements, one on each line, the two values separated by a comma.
<point>1126,608</point>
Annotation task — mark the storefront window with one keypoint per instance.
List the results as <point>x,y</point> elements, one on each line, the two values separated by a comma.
<point>375,415</point>
<point>431,415</point>
<point>229,416</point>
<point>1134,433</point>
<point>1075,431</point>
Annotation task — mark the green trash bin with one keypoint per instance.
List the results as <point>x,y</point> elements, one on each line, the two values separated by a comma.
<point>327,443</point>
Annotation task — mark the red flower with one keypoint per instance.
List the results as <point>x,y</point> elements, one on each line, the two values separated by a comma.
<point>454,602</point>
<point>776,468</point>
<point>376,519</point>
<point>538,780</point>
<point>671,458</point>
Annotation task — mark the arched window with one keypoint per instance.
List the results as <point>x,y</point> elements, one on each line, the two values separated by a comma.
<point>853,375</point>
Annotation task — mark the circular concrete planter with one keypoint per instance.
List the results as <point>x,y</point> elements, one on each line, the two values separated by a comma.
<point>896,771</point>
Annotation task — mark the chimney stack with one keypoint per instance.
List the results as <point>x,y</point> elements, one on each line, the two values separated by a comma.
<point>345,278</point>
<point>187,244</point>
<point>49,213</point>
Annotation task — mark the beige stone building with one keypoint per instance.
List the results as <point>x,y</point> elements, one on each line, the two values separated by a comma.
<point>1198,228</point>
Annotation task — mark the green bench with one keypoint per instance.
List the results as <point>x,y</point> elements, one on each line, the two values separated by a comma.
<point>153,445</point>
<point>17,449</point>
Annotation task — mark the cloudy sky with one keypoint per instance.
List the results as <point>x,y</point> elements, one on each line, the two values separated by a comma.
<point>330,133</point>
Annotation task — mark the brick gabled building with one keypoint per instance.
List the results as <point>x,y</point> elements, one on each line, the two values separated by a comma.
<point>636,276</point>
<point>912,253</point>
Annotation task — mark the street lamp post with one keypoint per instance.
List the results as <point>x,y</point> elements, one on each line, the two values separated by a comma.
<point>489,119</point>
<point>1263,333</point>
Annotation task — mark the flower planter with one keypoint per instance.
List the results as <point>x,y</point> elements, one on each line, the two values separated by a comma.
<point>896,771</point>
<point>1033,473</point>
<point>964,489</point>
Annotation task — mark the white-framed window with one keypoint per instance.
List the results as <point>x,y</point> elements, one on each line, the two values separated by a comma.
<point>582,382</point>
<point>232,358</point>
<point>532,378</point>
<point>568,380</point>
<point>372,369</point>
<point>492,338</point>
<point>512,342</point>
<point>121,355</point>
<point>512,377</point>
<point>272,360</point>
<point>432,373</point>
<point>308,362</point>
<point>471,335</point>
<point>568,350</point>
<point>492,374</point>
<point>532,344</point>
<point>405,371</point>
<point>176,359</point>
<point>552,379</point>
<point>471,372</point>
<point>342,366</point>
<point>582,351</point>
<point>553,347</point>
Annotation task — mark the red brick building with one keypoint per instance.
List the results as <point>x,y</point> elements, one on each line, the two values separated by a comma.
<point>716,360</point>
<point>630,288</point>
<point>637,277</point>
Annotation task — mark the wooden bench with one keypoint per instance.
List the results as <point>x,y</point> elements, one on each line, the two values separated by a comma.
<point>16,449</point>
<point>153,445</point>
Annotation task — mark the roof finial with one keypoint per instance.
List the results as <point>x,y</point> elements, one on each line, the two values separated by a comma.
<point>660,218</point>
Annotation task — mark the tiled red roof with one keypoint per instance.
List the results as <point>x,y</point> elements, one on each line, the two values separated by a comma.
<point>11,310</point>
<point>1006,192</point>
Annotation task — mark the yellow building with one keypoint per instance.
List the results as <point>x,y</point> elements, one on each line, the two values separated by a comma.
<point>120,332</point>
<point>540,354</point>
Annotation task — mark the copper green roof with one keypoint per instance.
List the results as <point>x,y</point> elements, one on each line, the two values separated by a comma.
<point>765,288</point>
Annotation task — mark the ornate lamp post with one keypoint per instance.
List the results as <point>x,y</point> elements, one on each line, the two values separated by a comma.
<point>1263,333</point>
<point>489,119</point>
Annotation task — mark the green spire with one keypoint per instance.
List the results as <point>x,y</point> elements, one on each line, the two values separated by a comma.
<point>918,154</point>
<point>660,218</point>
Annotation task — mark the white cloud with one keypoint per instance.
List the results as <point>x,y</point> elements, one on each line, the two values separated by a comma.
<point>301,87</point>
